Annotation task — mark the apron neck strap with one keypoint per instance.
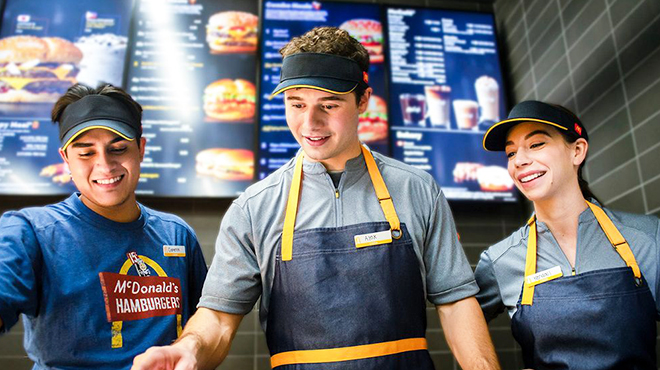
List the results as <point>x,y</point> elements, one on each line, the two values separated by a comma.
<point>382,193</point>
<point>613,235</point>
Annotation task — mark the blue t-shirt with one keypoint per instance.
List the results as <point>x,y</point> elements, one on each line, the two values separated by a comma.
<point>95,293</point>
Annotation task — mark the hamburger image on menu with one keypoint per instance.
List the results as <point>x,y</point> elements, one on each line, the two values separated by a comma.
<point>232,32</point>
<point>369,33</point>
<point>225,164</point>
<point>228,100</point>
<point>36,69</point>
<point>373,122</point>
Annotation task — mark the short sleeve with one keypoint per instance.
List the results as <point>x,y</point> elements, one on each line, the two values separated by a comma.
<point>196,273</point>
<point>233,284</point>
<point>449,276</point>
<point>489,296</point>
<point>19,266</point>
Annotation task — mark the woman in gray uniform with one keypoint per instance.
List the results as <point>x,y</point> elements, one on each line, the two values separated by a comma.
<point>579,281</point>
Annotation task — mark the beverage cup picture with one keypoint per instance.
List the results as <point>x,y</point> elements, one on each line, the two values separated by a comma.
<point>466,114</point>
<point>488,95</point>
<point>413,108</point>
<point>437,101</point>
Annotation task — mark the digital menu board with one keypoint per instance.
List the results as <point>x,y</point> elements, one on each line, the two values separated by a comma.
<point>283,20</point>
<point>192,68</point>
<point>445,91</point>
<point>45,47</point>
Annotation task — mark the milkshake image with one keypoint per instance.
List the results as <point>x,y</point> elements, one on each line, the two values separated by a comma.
<point>466,112</point>
<point>437,101</point>
<point>413,108</point>
<point>103,59</point>
<point>488,93</point>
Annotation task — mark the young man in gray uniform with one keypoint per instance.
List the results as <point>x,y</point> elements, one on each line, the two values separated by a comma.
<point>342,245</point>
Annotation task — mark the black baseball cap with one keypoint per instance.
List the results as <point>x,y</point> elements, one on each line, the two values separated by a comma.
<point>326,72</point>
<point>534,111</point>
<point>98,111</point>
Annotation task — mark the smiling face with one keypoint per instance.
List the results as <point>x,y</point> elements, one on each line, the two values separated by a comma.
<point>106,170</point>
<point>541,163</point>
<point>325,124</point>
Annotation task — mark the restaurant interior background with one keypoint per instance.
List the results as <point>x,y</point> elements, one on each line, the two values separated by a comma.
<point>599,58</point>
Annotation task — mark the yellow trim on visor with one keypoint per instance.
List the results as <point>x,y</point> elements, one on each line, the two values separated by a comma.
<point>483,142</point>
<point>91,128</point>
<point>311,87</point>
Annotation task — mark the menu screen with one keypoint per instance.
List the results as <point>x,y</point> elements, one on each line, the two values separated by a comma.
<point>446,90</point>
<point>192,68</point>
<point>45,47</point>
<point>283,20</point>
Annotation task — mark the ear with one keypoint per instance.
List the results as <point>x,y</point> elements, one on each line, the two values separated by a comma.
<point>580,151</point>
<point>63,155</point>
<point>364,100</point>
<point>143,143</point>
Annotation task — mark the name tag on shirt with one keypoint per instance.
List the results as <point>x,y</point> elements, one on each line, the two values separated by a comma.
<point>367,240</point>
<point>543,276</point>
<point>174,250</point>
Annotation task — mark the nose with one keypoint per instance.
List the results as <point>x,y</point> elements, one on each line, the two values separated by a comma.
<point>105,161</point>
<point>521,158</point>
<point>313,118</point>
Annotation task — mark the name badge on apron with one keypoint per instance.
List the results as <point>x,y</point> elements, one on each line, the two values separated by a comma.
<point>543,276</point>
<point>367,240</point>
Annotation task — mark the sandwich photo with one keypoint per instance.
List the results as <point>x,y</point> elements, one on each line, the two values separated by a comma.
<point>369,33</point>
<point>232,32</point>
<point>36,69</point>
<point>225,164</point>
<point>373,122</point>
<point>230,100</point>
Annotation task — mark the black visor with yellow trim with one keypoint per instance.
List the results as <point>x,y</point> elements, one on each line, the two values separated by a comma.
<point>98,111</point>
<point>534,111</point>
<point>326,72</point>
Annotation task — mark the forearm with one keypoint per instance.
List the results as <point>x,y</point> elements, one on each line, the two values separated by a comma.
<point>467,334</point>
<point>208,336</point>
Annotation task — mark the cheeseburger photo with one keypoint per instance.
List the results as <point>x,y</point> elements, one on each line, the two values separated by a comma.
<point>230,100</point>
<point>373,122</point>
<point>369,33</point>
<point>232,32</point>
<point>36,69</point>
<point>226,164</point>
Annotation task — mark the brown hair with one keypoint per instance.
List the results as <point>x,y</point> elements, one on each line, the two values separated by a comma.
<point>79,91</point>
<point>568,138</point>
<point>330,40</point>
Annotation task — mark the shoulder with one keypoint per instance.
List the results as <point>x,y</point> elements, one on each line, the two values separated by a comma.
<point>267,188</point>
<point>645,226</point>
<point>165,220</point>
<point>502,250</point>
<point>40,217</point>
<point>404,177</point>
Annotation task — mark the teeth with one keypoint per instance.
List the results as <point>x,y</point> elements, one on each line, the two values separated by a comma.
<point>109,181</point>
<point>531,177</point>
<point>316,138</point>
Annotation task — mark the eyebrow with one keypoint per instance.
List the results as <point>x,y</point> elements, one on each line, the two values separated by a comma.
<point>87,145</point>
<point>326,98</point>
<point>535,132</point>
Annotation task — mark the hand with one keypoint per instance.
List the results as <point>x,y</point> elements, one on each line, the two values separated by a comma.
<point>165,358</point>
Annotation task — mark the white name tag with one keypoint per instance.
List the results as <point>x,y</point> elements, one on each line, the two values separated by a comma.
<point>174,250</point>
<point>367,240</point>
<point>543,276</point>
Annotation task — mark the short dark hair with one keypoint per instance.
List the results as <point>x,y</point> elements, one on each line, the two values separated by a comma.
<point>330,40</point>
<point>79,91</point>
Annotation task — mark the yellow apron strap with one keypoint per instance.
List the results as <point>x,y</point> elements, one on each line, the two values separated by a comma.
<point>294,196</point>
<point>315,356</point>
<point>117,339</point>
<point>292,210</point>
<point>530,263</point>
<point>383,194</point>
<point>614,236</point>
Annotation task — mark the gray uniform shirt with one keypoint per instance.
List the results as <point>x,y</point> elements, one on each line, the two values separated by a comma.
<point>501,269</point>
<point>250,232</point>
